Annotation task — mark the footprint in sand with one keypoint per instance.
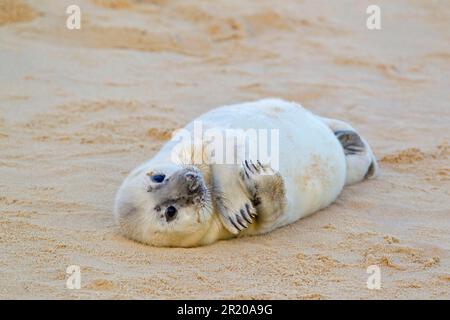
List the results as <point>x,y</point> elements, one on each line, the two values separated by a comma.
<point>400,258</point>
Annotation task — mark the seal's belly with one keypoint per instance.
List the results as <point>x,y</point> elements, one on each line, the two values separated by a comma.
<point>311,159</point>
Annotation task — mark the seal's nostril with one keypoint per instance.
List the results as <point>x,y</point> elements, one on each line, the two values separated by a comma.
<point>190,176</point>
<point>192,180</point>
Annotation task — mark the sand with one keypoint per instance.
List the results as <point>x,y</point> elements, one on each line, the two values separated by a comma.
<point>79,109</point>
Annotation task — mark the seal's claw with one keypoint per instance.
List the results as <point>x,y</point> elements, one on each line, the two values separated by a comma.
<point>248,167</point>
<point>251,169</point>
<point>250,209</point>
<point>254,174</point>
<point>245,216</point>
<point>235,227</point>
<point>242,219</point>
<point>248,170</point>
<point>248,213</point>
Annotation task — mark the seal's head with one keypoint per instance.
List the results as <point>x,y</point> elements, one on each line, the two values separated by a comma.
<point>164,205</point>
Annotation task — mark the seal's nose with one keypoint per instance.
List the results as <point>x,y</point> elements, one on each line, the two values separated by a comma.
<point>193,180</point>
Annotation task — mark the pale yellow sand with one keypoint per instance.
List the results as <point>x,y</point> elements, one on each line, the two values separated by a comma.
<point>79,109</point>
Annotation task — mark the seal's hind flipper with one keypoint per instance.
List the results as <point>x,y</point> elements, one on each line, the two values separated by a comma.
<point>350,141</point>
<point>361,162</point>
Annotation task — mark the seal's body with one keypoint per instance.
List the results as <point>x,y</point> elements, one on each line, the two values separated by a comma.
<point>177,200</point>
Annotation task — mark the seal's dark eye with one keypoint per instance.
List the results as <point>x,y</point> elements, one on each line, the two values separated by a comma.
<point>158,178</point>
<point>171,213</point>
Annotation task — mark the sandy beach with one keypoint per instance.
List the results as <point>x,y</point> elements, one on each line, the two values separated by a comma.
<point>81,108</point>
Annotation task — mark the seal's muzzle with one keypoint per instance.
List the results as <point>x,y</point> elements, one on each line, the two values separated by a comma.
<point>193,181</point>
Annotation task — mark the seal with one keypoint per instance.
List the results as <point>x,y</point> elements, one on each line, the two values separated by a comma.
<point>185,197</point>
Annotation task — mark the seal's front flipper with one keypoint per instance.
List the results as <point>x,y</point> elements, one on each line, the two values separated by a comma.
<point>266,189</point>
<point>234,205</point>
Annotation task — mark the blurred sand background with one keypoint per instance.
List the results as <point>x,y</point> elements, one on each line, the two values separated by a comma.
<point>79,109</point>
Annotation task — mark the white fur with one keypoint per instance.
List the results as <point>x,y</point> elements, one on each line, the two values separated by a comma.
<point>312,164</point>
